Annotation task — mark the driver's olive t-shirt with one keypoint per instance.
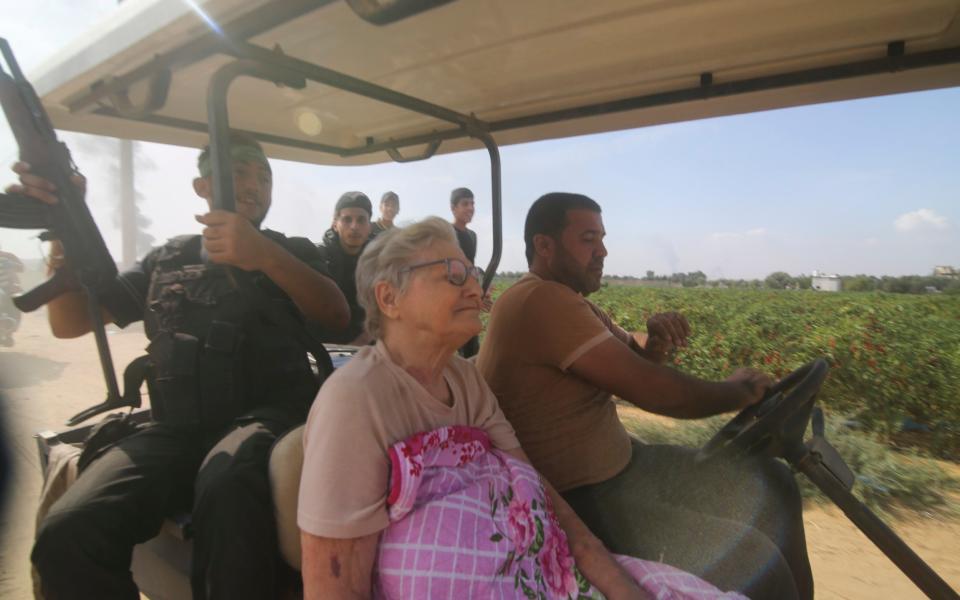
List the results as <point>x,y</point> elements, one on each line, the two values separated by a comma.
<point>568,427</point>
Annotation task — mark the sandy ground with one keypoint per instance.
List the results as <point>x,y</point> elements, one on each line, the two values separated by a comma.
<point>45,381</point>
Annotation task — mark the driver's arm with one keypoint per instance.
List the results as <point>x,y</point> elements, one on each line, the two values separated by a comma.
<point>665,333</point>
<point>612,366</point>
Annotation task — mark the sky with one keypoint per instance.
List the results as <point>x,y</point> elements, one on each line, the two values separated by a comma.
<point>868,186</point>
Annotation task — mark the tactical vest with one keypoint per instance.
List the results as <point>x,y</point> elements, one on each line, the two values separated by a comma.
<point>201,328</point>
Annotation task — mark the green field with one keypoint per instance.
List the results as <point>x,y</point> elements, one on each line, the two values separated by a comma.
<point>892,356</point>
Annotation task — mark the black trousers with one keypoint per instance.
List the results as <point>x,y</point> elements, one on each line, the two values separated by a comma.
<point>85,544</point>
<point>737,525</point>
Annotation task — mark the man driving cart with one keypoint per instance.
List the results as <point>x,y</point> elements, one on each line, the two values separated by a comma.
<point>555,361</point>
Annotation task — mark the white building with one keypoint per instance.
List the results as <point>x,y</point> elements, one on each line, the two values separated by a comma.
<point>946,271</point>
<point>823,282</point>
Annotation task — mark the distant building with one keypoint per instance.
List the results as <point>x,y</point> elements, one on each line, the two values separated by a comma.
<point>822,282</point>
<point>657,283</point>
<point>945,271</point>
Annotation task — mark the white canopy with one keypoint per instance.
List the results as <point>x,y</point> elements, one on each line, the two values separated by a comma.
<point>527,69</point>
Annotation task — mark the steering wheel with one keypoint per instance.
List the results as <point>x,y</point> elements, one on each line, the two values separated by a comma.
<point>776,423</point>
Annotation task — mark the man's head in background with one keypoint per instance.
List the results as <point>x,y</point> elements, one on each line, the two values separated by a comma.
<point>351,221</point>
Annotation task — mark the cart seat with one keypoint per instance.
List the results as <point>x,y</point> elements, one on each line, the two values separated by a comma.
<point>286,460</point>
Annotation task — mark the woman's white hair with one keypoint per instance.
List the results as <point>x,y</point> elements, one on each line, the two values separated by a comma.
<point>385,257</point>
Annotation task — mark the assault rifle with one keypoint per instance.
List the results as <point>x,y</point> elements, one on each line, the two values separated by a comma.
<point>89,266</point>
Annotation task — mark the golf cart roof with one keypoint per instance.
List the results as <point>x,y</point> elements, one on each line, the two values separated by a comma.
<point>519,70</point>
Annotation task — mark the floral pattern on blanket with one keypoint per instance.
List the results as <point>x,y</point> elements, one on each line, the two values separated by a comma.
<point>544,547</point>
<point>470,521</point>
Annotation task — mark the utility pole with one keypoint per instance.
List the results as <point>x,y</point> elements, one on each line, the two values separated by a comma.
<point>128,207</point>
<point>128,204</point>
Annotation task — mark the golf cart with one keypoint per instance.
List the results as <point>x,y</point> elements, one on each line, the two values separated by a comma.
<point>362,81</point>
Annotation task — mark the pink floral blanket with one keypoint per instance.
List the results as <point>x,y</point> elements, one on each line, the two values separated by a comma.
<point>469,521</point>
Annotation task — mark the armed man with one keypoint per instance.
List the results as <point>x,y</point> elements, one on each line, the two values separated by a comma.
<point>341,248</point>
<point>229,379</point>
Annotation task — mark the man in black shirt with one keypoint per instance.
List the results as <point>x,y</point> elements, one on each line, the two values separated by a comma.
<point>462,207</point>
<point>341,248</point>
<point>389,209</point>
<point>229,377</point>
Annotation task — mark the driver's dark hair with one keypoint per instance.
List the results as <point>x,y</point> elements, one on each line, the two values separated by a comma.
<point>548,216</point>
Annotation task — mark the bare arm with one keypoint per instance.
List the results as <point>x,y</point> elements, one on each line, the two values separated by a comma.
<point>337,569</point>
<point>612,366</point>
<point>68,313</point>
<point>316,295</point>
<point>592,558</point>
<point>230,239</point>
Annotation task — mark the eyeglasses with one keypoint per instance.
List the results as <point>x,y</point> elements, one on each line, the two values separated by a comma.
<point>457,270</point>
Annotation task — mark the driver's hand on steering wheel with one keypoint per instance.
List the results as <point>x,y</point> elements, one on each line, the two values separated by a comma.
<point>753,383</point>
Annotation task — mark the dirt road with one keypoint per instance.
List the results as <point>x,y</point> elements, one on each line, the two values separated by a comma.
<point>44,381</point>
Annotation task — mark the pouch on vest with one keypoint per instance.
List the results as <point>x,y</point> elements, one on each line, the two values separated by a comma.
<point>221,384</point>
<point>175,359</point>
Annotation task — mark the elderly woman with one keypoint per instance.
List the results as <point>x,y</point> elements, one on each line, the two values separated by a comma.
<point>413,482</point>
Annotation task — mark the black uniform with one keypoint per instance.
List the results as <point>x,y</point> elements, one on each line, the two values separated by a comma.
<point>467,239</point>
<point>229,380</point>
<point>376,229</point>
<point>468,242</point>
<point>342,267</point>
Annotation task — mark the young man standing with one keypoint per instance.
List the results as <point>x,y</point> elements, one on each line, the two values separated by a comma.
<point>462,207</point>
<point>341,248</point>
<point>389,209</point>
<point>556,362</point>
